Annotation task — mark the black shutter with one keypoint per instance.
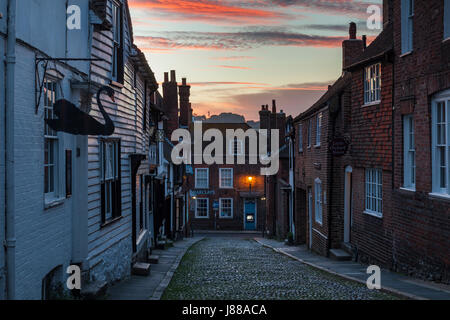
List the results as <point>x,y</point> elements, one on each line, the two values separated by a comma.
<point>118,184</point>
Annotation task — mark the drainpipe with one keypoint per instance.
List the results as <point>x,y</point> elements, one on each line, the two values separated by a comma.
<point>10,242</point>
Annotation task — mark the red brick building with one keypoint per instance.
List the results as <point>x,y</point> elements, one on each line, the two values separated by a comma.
<point>223,196</point>
<point>421,172</point>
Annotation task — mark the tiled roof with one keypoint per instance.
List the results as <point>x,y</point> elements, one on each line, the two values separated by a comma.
<point>141,62</point>
<point>336,88</point>
<point>382,45</point>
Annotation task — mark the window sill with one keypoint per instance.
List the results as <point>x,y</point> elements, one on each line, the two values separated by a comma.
<point>373,103</point>
<point>201,217</point>
<point>226,188</point>
<point>226,218</point>
<point>408,189</point>
<point>110,222</point>
<point>406,54</point>
<point>49,204</point>
<point>116,84</point>
<point>317,146</point>
<point>373,214</point>
<point>446,40</point>
<point>320,223</point>
<point>442,196</point>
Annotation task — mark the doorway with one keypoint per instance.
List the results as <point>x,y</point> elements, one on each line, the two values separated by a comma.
<point>310,202</point>
<point>250,214</point>
<point>348,196</point>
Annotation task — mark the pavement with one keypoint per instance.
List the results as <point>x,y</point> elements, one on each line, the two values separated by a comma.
<point>391,282</point>
<point>152,286</point>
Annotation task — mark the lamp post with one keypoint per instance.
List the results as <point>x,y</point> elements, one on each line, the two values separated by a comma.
<point>250,180</point>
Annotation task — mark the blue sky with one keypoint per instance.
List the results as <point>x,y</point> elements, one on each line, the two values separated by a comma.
<point>240,54</point>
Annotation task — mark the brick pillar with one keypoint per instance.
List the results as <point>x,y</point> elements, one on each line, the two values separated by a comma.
<point>170,96</point>
<point>185,107</point>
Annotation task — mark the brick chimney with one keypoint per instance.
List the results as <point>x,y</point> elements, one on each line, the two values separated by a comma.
<point>170,96</point>
<point>388,12</point>
<point>184,92</point>
<point>352,47</point>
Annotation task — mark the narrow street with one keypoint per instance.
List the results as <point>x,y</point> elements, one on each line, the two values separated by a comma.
<point>233,267</point>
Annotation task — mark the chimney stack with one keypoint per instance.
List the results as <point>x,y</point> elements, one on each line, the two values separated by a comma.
<point>274,106</point>
<point>185,106</point>
<point>352,47</point>
<point>170,97</point>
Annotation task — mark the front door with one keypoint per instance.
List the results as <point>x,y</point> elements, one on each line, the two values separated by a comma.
<point>250,214</point>
<point>347,204</point>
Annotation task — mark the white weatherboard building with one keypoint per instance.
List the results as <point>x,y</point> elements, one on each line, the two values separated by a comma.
<point>69,199</point>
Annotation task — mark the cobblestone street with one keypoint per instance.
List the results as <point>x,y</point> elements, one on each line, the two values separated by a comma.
<point>231,268</point>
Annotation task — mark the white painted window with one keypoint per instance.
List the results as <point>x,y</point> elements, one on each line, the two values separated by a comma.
<point>372,83</point>
<point>202,178</point>
<point>318,128</point>
<point>407,25</point>
<point>226,177</point>
<point>374,192</point>
<point>441,144</point>
<point>300,138</point>
<point>318,201</point>
<point>226,207</point>
<point>202,208</point>
<point>236,147</point>
<point>309,132</point>
<point>110,178</point>
<point>409,151</point>
<point>446,19</point>
<point>117,38</point>
<point>51,143</point>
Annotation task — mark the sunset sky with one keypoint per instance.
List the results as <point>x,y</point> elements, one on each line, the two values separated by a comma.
<point>239,54</point>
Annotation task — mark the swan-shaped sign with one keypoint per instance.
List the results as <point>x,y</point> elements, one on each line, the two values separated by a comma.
<point>74,121</point>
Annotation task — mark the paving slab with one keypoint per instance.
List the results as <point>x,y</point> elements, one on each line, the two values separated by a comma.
<point>145,288</point>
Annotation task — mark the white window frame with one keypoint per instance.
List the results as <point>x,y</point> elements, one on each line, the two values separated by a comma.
<point>446,19</point>
<point>318,207</point>
<point>51,140</point>
<point>207,208</point>
<point>441,146</point>
<point>221,184</point>
<point>407,24</point>
<point>409,153</point>
<point>300,138</point>
<point>117,38</point>
<point>197,186</point>
<point>234,149</point>
<point>221,207</point>
<point>372,84</point>
<point>318,128</point>
<point>374,192</point>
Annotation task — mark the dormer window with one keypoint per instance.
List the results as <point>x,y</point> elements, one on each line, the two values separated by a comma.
<point>372,83</point>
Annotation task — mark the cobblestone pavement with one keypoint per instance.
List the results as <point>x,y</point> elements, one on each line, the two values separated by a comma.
<point>238,269</point>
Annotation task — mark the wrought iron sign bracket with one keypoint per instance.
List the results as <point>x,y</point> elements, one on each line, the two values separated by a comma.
<point>39,83</point>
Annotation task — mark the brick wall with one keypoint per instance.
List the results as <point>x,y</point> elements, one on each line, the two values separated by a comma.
<point>421,236</point>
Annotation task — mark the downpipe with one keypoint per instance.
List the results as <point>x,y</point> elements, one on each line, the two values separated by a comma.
<point>10,242</point>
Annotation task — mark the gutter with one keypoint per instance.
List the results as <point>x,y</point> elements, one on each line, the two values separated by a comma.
<point>10,242</point>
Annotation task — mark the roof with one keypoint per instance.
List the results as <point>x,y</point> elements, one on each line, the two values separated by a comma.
<point>335,89</point>
<point>144,69</point>
<point>382,45</point>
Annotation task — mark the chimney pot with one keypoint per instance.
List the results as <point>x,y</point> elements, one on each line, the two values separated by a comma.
<point>352,31</point>
<point>184,81</point>
<point>173,77</point>
<point>274,106</point>
<point>364,39</point>
<point>166,77</point>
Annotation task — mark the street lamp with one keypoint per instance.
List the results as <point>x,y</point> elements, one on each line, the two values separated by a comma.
<point>250,180</point>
